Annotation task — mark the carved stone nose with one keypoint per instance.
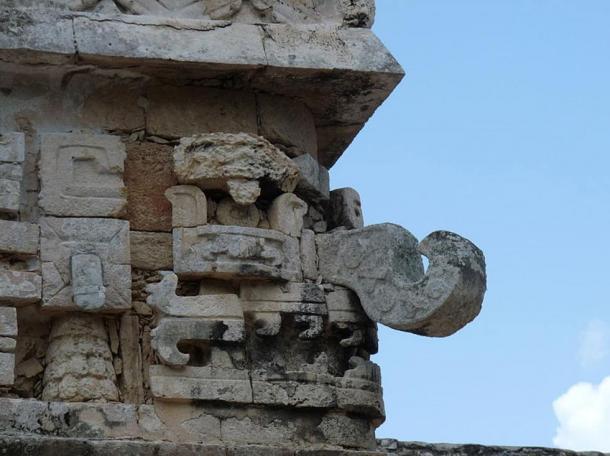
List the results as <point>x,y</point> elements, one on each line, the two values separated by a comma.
<point>383,265</point>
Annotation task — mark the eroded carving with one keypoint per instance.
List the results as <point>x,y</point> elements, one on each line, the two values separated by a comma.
<point>286,214</point>
<point>88,250</point>
<point>228,251</point>
<point>82,175</point>
<point>234,163</point>
<point>189,206</point>
<point>382,264</point>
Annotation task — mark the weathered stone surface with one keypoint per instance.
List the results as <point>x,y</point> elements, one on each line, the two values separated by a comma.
<point>171,331</point>
<point>394,447</point>
<point>162,297</point>
<point>12,154</point>
<point>7,369</point>
<point>82,175</point>
<point>382,264</point>
<point>344,307</point>
<point>201,383</point>
<point>230,213</point>
<point>131,380</point>
<point>346,209</point>
<point>182,112</point>
<point>8,322</point>
<point>288,124</point>
<point>19,238</point>
<point>226,252</point>
<point>79,361</point>
<point>309,255</point>
<point>228,161</point>
<point>347,431</point>
<point>314,182</point>
<point>19,288</point>
<point>7,345</point>
<point>149,172</point>
<point>286,214</point>
<point>151,251</point>
<point>64,238</point>
<point>189,206</point>
<point>89,292</point>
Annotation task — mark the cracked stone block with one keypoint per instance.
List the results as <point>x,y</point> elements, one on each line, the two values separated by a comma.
<point>19,238</point>
<point>201,383</point>
<point>234,163</point>
<point>12,155</point>
<point>19,288</point>
<point>81,175</point>
<point>189,206</point>
<point>314,184</point>
<point>62,239</point>
<point>227,251</point>
<point>286,214</point>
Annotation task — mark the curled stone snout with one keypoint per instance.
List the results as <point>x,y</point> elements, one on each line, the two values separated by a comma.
<point>382,264</point>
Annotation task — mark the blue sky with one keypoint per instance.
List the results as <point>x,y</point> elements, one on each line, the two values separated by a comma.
<point>500,131</point>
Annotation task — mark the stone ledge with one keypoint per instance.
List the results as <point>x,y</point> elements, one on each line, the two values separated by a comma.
<point>394,447</point>
<point>342,74</point>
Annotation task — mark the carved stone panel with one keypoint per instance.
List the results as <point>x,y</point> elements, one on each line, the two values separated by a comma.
<point>228,252</point>
<point>85,264</point>
<point>82,175</point>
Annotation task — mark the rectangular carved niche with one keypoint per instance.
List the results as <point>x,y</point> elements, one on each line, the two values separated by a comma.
<point>85,264</point>
<point>81,175</point>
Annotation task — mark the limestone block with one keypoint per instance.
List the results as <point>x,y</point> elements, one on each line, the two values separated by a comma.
<point>294,394</point>
<point>87,282</point>
<point>382,264</point>
<point>347,431</point>
<point>201,383</point>
<point>344,307</point>
<point>226,252</point>
<point>230,213</point>
<point>19,238</point>
<point>151,251</point>
<point>132,383</point>
<point>12,147</point>
<point>189,206</point>
<point>149,172</point>
<point>12,155</point>
<point>8,322</point>
<point>7,345</point>
<point>170,331</point>
<point>290,292</point>
<point>19,288</point>
<point>314,184</point>
<point>162,297</point>
<point>286,214</point>
<point>81,175</point>
<point>346,209</point>
<point>7,369</point>
<point>64,238</point>
<point>289,124</point>
<point>309,255</point>
<point>186,111</point>
<point>234,163</point>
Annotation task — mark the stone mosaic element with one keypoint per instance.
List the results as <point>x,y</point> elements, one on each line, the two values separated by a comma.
<point>82,175</point>
<point>85,264</point>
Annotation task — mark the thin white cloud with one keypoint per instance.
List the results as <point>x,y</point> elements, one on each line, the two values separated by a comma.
<point>583,413</point>
<point>594,343</point>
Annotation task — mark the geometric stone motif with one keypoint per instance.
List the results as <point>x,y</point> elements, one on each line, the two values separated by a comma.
<point>82,175</point>
<point>217,251</point>
<point>85,264</point>
<point>12,154</point>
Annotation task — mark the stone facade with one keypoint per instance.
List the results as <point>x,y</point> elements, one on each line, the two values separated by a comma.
<point>176,275</point>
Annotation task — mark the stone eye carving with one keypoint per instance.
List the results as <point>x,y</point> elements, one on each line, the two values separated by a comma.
<point>383,265</point>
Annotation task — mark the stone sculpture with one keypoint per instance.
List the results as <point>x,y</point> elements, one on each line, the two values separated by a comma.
<point>175,272</point>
